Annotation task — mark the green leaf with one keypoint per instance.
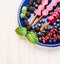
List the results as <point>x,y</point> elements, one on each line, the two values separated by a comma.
<point>21,31</point>
<point>32,37</point>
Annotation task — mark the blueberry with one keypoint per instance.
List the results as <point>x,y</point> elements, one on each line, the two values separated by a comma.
<point>54,35</point>
<point>28,14</point>
<point>28,28</point>
<point>46,28</point>
<point>26,23</point>
<point>39,34</point>
<point>50,41</point>
<point>58,25</point>
<point>43,21</point>
<point>40,39</point>
<point>37,29</point>
<point>51,27</point>
<point>31,9</point>
<point>54,24</point>
<point>33,27</point>
<point>44,31</point>
<point>59,28</point>
<point>58,21</point>
<point>42,24</point>
<point>39,25</point>
<point>36,5</point>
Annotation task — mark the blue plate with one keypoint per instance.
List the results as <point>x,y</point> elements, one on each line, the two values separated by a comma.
<point>20,22</point>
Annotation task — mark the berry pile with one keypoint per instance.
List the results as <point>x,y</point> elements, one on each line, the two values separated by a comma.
<point>47,28</point>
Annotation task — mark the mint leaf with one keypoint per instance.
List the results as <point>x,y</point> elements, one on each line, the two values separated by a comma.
<point>32,37</point>
<point>21,31</point>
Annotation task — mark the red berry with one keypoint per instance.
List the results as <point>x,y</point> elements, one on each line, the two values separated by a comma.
<point>42,37</point>
<point>51,34</point>
<point>51,19</point>
<point>56,15</point>
<point>51,31</point>
<point>55,30</point>
<point>59,32</point>
<point>58,37</point>
<point>47,38</point>
<point>54,40</point>
<point>44,41</point>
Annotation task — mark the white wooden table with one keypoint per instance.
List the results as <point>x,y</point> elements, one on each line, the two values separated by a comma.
<point>17,50</point>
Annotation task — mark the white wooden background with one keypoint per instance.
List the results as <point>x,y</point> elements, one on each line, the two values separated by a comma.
<point>17,50</point>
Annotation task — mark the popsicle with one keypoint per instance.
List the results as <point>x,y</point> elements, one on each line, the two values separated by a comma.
<point>52,18</point>
<point>46,11</point>
<point>38,11</point>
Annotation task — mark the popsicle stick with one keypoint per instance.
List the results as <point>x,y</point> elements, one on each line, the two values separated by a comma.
<point>37,20</point>
<point>46,25</point>
<point>41,29</point>
<point>32,20</point>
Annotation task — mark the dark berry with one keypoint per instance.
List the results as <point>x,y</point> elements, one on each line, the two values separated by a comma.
<point>37,29</point>
<point>34,0</point>
<point>26,23</point>
<point>38,1</point>
<point>28,14</point>
<point>25,18</point>
<point>30,2</point>
<point>28,28</point>
<point>31,9</point>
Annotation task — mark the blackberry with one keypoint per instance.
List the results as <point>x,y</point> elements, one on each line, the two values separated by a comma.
<point>26,23</point>
<point>28,14</point>
<point>38,1</point>
<point>25,18</point>
<point>28,28</point>
<point>37,29</point>
<point>31,8</point>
